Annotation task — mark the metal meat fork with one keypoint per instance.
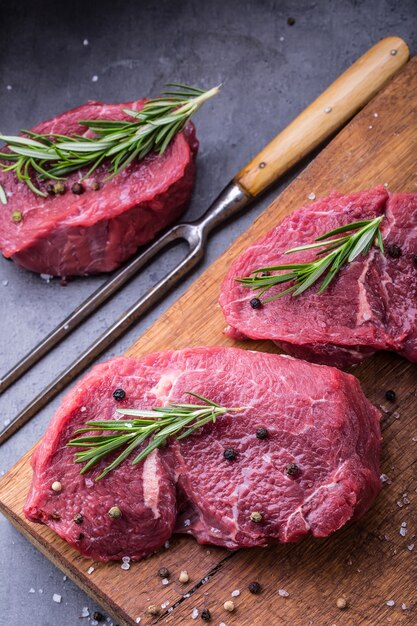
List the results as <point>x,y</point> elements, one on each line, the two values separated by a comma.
<point>337,104</point>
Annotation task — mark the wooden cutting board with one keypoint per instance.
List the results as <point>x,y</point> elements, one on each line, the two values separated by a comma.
<point>369,562</point>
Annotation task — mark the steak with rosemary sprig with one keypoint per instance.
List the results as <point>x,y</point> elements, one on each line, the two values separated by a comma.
<point>369,305</point>
<point>299,457</point>
<point>98,223</point>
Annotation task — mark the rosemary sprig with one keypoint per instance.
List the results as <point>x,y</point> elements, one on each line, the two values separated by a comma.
<point>335,254</point>
<point>160,423</point>
<point>151,129</point>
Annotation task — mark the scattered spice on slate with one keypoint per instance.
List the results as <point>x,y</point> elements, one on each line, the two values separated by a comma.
<point>206,615</point>
<point>229,454</point>
<point>119,394</point>
<point>292,469</point>
<point>290,21</point>
<point>98,616</point>
<point>390,395</point>
<point>163,572</point>
<point>255,587</point>
<point>153,610</point>
<point>229,606</point>
<point>256,517</point>
<point>115,512</point>
<point>261,433</point>
<point>255,303</point>
<point>394,251</point>
<point>184,577</point>
<point>78,518</point>
<point>341,603</point>
<point>77,188</point>
<point>59,188</point>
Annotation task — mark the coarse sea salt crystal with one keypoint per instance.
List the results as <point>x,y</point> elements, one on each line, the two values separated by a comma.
<point>375,114</point>
<point>57,598</point>
<point>94,78</point>
<point>194,614</point>
<point>385,479</point>
<point>83,409</point>
<point>164,604</point>
<point>138,620</point>
<point>166,545</point>
<point>46,277</point>
<point>311,196</point>
<point>126,559</point>
<point>235,593</point>
<point>390,602</point>
<point>85,612</point>
<point>410,547</point>
<point>90,570</point>
<point>5,283</point>
<point>187,522</point>
<point>125,566</point>
<point>94,622</point>
<point>85,42</point>
<point>404,606</point>
<point>31,590</point>
<point>222,624</point>
<point>283,593</point>
<point>165,581</point>
<point>9,87</point>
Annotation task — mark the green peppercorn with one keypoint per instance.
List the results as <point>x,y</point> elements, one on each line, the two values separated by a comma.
<point>59,188</point>
<point>17,216</point>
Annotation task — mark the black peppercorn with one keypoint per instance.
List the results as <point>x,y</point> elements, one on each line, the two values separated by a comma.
<point>206,615</point>
<point>292,469</point>
<point>77,188</point>
<point>50,189</point>
<point>394,251</point>
<point>56,516</point>
<point>290,21</point>
<point>98,616</point>
<point>119,394</point>
<point>229,454</point>
<point>390,395</point>
<point>78,518</point>
<point>415,259</point>
<point>255,587</point>
<point>80,536</point>
<point>255,303</point>
<point>261,433</point>
<point>163,572</point>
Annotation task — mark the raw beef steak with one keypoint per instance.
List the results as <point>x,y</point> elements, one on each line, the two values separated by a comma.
<point>316,418</point>
<point>371,304</point>
<point>96,231</point>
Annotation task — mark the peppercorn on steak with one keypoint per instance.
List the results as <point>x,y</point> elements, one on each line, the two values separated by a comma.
<point>269,449</point>
<point>370,303</point>
<point>88,223</point>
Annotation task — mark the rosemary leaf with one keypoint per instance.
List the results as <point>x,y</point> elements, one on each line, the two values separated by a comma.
<point>121,142</point>
<point>335,254</point>
<point>157,424</point>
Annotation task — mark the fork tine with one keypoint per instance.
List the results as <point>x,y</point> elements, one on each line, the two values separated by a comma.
<point>90,304</point>
<point>112,333</point>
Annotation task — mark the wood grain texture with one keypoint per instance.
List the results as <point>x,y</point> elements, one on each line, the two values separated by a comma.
<point>368,562</point>
<point>335,106</point>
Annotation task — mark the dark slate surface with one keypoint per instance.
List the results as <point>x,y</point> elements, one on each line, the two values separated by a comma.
<point>50,53</point>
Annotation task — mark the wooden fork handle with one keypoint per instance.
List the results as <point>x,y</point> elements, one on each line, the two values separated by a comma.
<point>335,106</point>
